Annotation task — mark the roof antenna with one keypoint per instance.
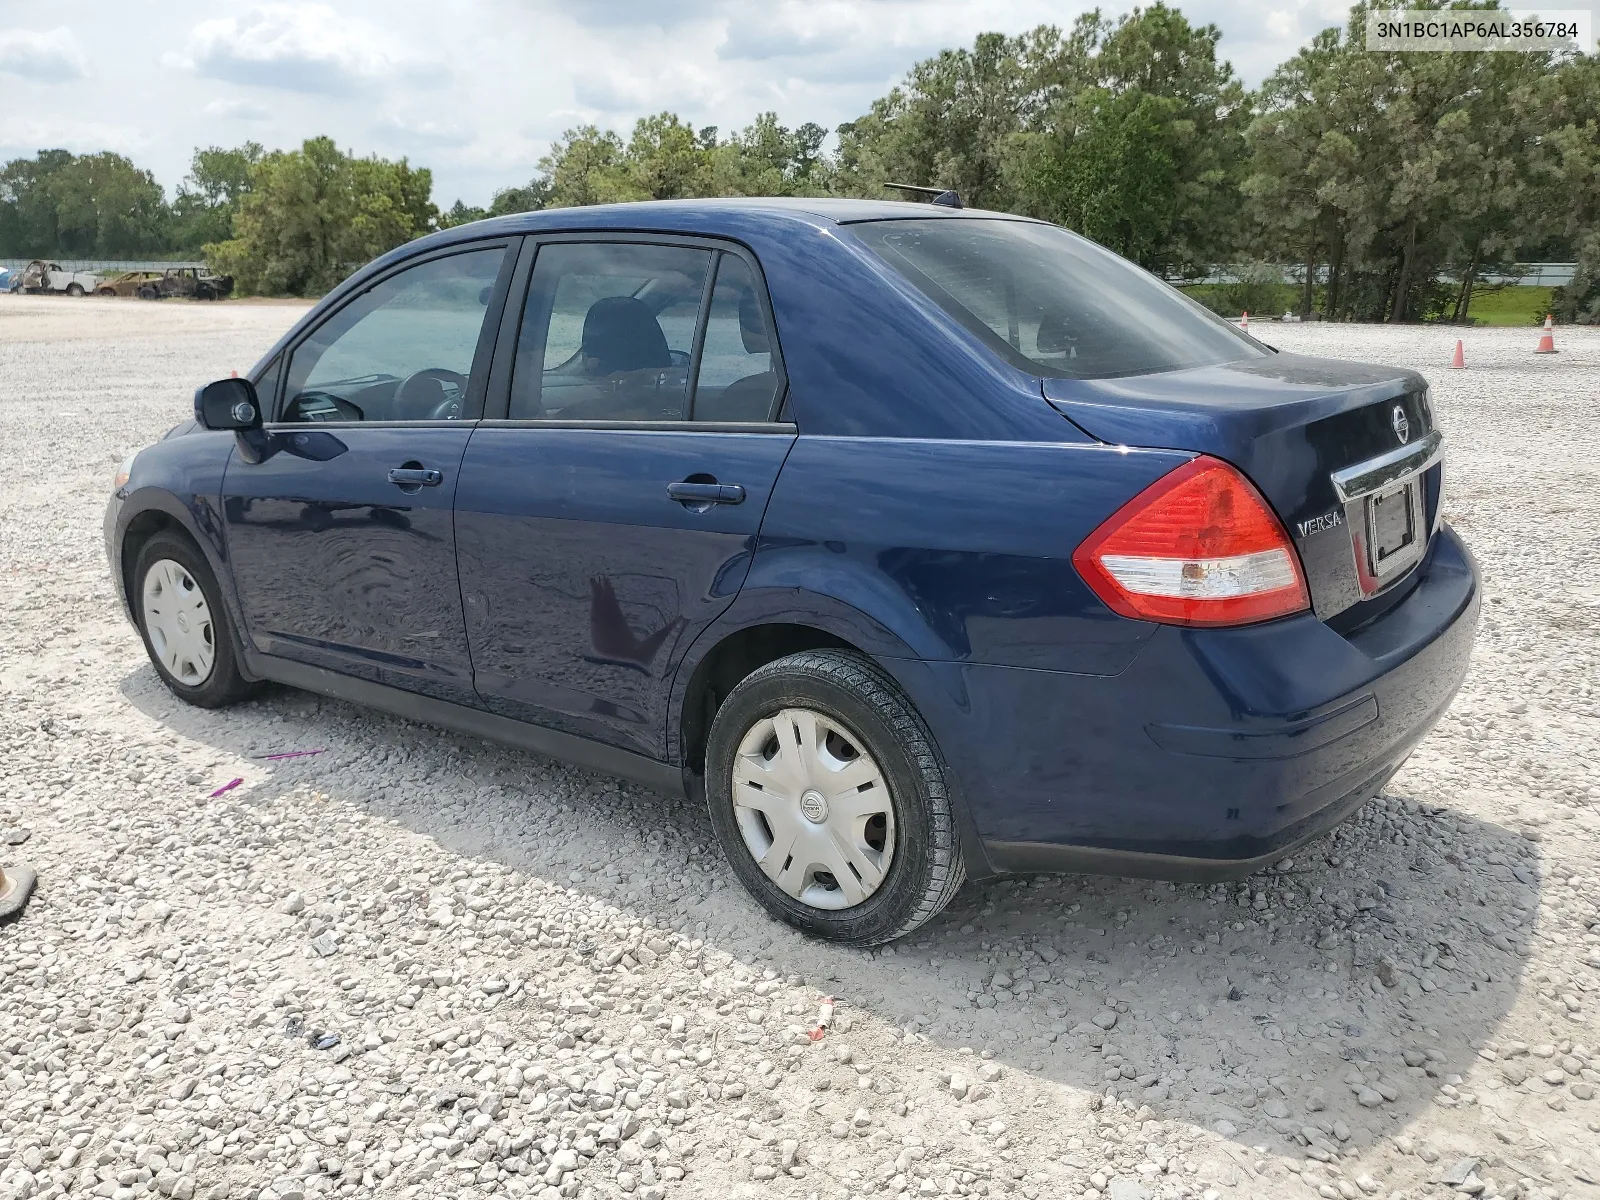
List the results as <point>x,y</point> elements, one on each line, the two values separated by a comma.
<point>943,196</point>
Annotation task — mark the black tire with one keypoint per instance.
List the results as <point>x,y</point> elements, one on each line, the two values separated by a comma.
<point>224,685</point>
<point>74,289</point>
<point>848,689</point>
<point>148,293</point>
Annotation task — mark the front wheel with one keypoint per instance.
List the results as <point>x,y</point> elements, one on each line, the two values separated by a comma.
<point>829,798</point>
<point>185,625</point>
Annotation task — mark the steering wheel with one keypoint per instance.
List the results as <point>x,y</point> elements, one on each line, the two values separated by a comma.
<point>448,409</point>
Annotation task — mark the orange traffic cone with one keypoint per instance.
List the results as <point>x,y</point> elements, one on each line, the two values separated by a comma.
<point>1547,343</point>
<point>1460,358</point>
<point>1244,321</point>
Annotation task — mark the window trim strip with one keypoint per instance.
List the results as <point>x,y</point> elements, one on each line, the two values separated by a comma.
<point>781,427</point>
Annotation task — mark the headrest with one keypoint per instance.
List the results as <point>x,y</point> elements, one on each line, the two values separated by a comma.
<point>752,329</point>
<point>623,334</point>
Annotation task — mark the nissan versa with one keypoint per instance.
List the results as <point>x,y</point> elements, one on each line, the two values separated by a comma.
<point>925,543</point>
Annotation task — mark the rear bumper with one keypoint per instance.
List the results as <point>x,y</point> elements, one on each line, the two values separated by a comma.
<point>1216,751</point>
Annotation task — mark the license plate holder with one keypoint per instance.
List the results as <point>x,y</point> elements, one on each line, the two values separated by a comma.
<point>1392,520</point>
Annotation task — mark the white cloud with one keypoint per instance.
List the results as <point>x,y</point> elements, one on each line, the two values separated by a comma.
<point>619,86</point>
<point>477,89</point>
<point>27,135</point>
<point>237,110</point>
<point>663,14</point>
<point>50,57</point>
<point>295,47</point>
<point>396,129</point>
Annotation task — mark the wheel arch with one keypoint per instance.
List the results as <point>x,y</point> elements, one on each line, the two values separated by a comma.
<point>732,649</point>
<point>150,511</point>
<point>728,661</point>
<point>141,527</point>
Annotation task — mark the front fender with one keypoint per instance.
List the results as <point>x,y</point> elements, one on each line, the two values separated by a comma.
<point>178,482</point>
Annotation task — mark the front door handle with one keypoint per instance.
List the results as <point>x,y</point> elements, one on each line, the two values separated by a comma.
<point>706,493</point>
<point>416,476</point>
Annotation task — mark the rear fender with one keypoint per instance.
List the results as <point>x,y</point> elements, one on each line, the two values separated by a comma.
<point>771,597</point>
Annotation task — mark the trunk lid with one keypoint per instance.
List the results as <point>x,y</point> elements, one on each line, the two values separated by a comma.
<point>1292,423</point>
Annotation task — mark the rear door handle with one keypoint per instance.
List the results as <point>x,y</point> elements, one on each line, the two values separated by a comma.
<point>416,476</point>
<point>706,493</point>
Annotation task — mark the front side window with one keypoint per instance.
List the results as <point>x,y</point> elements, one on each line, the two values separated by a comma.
<point>608,332</point>
<point>401,351</point>
<point>1054,303</point>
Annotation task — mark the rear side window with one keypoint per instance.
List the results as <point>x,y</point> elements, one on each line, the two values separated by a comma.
<point>1054,303</point>
<point>608,332</point>
<point>738,380</point>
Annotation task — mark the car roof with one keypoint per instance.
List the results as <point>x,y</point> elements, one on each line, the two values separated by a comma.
<point>718,214</point>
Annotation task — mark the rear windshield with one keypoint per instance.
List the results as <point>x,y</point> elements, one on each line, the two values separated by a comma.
<point>1054,303</point>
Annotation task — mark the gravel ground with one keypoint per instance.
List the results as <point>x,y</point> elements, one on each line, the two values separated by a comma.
<point>421,965</point>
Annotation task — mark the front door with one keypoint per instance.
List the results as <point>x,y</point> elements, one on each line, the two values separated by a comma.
<point>341,538</point>
<point>611,515</point>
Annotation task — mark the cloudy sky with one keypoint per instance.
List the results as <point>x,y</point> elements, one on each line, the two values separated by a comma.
<point>476,89</point>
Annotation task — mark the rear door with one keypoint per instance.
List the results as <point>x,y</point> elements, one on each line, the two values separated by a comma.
<point>341,539</point>
<point>608,508</point>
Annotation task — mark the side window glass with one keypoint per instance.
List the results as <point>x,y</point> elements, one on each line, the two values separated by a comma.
<point>267,385</point>
<point>402,351</point>
<point>737,380</point>
<point>607,332</point>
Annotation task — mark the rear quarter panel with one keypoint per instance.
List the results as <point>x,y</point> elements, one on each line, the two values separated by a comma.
<point>955,550</point>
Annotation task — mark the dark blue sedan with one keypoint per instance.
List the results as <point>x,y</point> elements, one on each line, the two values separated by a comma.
<point>926,544</point>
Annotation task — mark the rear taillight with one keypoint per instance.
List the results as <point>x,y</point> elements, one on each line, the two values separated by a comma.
<point>1199,546</point>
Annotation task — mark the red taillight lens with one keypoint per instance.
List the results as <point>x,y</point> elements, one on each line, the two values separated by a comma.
<point>1199,546</point>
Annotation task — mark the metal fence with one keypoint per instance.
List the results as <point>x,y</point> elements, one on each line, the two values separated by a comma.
<point>102,266</point>
<point>1525,274</point>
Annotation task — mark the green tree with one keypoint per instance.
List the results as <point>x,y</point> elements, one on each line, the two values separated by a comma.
<point>664,160</point>
<point>1114,173</point>
<point>29,223</point>
<point>81,206</point>
<point>1146,153</point>
<point>530,197</point>
<point>1567,179</point>
<point>1397,170</point>
<point>950,123</point>
<point>208,197</point>
<point>313,214</point>
<point>584,166</point>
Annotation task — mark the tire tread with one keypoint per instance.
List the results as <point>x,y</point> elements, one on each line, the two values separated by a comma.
<point>854,672</point>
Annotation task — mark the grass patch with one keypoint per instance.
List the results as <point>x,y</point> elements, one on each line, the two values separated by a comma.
<point>1509,305</point>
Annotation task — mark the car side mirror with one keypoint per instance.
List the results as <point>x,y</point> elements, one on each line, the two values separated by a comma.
<point>228,404</point>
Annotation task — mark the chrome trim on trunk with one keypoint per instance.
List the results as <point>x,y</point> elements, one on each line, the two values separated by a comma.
<point>1365,478</point>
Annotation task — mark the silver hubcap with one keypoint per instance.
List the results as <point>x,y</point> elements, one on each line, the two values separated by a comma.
<point>813,808</point>
<point>178,620</point>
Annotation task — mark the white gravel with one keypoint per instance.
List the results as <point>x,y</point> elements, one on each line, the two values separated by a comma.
<point>543,983</point>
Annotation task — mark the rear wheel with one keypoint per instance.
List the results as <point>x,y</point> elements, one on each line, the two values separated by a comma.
<point>829,798</point>
<point>74,289</point>
<point>185,624</point>
<point>147,293</point>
